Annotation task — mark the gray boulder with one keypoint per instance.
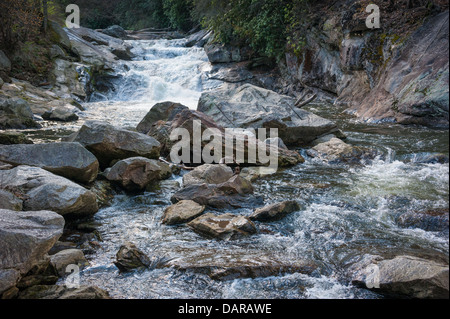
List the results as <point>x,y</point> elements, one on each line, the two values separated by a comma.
<point>116,31</point>
<point>209,174</point>
<point>165,111</point>
<point>16,113</point>
<point>9,201</point>
<point>43,190</point>
<point>182,212</point>
<point>70,160</point>
<point>67,257</point>
<point>275,211</point>
<point>226,226</point>
<point>63,114</point>
<point>110,143</point>
<point>249,106</point>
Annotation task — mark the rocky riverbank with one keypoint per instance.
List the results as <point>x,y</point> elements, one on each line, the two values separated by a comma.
<point>50,191</point>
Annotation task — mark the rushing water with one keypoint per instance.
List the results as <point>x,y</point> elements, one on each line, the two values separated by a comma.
<point>346,211</point>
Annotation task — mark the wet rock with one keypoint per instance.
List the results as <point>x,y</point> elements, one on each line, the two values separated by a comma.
<point>67,257</point>
<point>60,246</point>
<point>253,173</point>
<point>63,114</point>
<point>105,192</point>
<point>61,292</point>
<point>432,220</point>
<point>110,143</point>
<point>9,201</point>
<point>249,106</point>
<point>25,238</point>
<point>116,31</point>
<point>70,160</point>
<point>165,111</point>
<point>129,257</point>
<point>136,173</point>
<point>237,192</point>
<point>9,138</point>
<point>337,151</point>
<point>226,226</point>
<point>16,113</point>
<point>275,211</point>
<point>209,174</point>
<point>402,276</point>
<point>43,190</point>
<point>182,212</point>
<point>8,281</point>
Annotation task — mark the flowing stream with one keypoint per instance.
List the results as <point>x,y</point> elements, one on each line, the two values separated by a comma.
<point>347,211</point>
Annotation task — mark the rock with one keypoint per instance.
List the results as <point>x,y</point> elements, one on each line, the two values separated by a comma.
<point>129,257</point>
<point>25,238</point>
<point>231,72</point>
<point>104,191</point>
<point>58,35</point>
<point>237,192</point>
<point>9,201</point>
<point>9,138</point>
<point>235,264</point>
<point>136,173</point>
<point>110,143</point>
<point>8,280</point>
<point>402,276</point>
<point>116,32</point>
<point>198,39</point>
<point>72,79</point>
<point>67,257</point>
<point>432,220</point>
<point>276,141</point>
<point>5,63</point>
<point>60,246</point>
<point>70,160</point>
<point>165,111</point>
<point>219,53</point>
<point>61,292</point>
<point>275,211</point>
<point>63,114</point>
<point>182,212</point>
<point>16,113</point>
<point>253,173</point>
<point>57,52</point>
<point>209,174</point>
<point>337,151</point>
<point>251,107</point>
<point>42,273</point>
<point>226,226</point>
<point>43,190</point>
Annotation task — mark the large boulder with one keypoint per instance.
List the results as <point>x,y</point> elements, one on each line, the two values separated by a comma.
<point>62,113</point>
<point>164,111</point>
<point>136,173</point>
<point>209,174</point>
<point>10,201</point>
<point>25,238</point>
<point>110,143</point>
<point>275,211</point>
<point>116,31</point>
<point>226,226</point>
<point>43,190</point>
<point>16,113</point>
<point>402,276</point>
<point>237,192</point>
<point>70,160</point>
<point>182,212</point>
<point>249,106</point>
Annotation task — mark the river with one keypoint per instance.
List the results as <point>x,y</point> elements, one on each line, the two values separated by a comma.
<point>346,211</point>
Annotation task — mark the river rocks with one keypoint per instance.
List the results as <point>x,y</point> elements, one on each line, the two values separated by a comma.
<point>275,211</point>
<point>402,276</point>
<point>432,220</point>
<point>248,106</point>
<point>337,151</point>
<point>165,111</point>
<point>67,257</point>
<point>72,79</point>
<point>9,138</point>
<point>25,238</point>
<point>63,114</point>
<point>209,174</point>
<point>130,257</point>
<point>237,192</point>
<point>10,201</point>
<point>219,53</point>
<point>116,31</point>
<point>61,292</point>
<point>16,113</point>
<point>110,143</point>
<point>70,160</point>
<point>43,190</point>
<point>226,226</point>
<point>182,212</point>
<point>136,173</point>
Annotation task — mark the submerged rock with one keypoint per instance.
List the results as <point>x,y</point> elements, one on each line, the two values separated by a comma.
<point>129,257</point>
<point>432,220</point>
<point>402,276</point>
<point>275,211</point>
<point>70,160</point>
<point>237,192</point>
<point>136,173</point>
<point>182,212</point>
<point>226,226</point>
<point>43,190</point>
<point>110,143</point>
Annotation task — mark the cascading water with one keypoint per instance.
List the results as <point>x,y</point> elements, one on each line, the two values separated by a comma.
<point>347,211</point>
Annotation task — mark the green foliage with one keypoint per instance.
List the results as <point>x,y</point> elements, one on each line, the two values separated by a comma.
<point>179,13</point>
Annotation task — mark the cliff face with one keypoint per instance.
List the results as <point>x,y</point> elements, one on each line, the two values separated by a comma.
<point>397,73</point>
